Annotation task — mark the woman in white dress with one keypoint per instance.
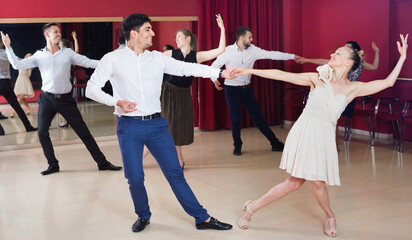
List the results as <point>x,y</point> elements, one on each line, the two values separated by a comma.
<point>23,87</point>
<point>310,150</point>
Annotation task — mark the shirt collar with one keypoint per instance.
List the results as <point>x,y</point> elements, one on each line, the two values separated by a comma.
<point>238,48</point>
<point>131,52</point>
<point>45,49</point>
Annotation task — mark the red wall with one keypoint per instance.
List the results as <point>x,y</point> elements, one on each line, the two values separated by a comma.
<point>95,8</point>
<point>402,22</point>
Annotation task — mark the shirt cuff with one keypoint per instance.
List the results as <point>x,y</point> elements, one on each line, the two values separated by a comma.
<point>113,102</point>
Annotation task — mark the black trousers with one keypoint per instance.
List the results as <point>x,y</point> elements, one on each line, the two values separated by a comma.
<point>235,97</point>
<point>1,130</point>
<point>7,91</point>
<point>49,105</point>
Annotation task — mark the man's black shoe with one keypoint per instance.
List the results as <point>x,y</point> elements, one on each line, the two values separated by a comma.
<point>213,224</point>
<point>237,151</point>
<point>109,166</point>
<point>31,129</point>
<point>2,116</point>
<point>278,146</point>
<point>50,170</point>
<point>140,224</point>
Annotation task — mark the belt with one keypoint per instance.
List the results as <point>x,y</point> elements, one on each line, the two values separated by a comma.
<point>244,86</point>
<point>58,95</point>
<point>145,118</point>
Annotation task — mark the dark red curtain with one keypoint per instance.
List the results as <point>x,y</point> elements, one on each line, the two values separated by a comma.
<point>265,19</point>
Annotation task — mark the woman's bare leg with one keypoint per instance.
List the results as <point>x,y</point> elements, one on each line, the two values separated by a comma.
<point>275,193</point>
<point>322,196</point>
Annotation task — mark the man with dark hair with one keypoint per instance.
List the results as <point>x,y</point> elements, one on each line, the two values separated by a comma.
<point>54,64</point>
<point>239,91</point>
<point>7,91</point>
<point>136,75</point>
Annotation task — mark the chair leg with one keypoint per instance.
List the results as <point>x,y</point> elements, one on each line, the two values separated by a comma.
<point>373,132</point>
<point>401,133</point>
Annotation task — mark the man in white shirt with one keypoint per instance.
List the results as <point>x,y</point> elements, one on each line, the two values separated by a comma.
<point>136,75</point>
<point>54,64</point>
<point>8,93</point>
<point>239,91</point>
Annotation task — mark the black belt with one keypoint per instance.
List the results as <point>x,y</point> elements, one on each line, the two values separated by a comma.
<point>145,118</point>
<point>58,95</point>
<point>244,86</point>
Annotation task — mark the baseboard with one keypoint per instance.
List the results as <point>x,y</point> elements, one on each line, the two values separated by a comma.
<point>383,136</point>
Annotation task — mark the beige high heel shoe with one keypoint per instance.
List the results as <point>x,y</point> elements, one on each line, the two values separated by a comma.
<point>330,227</point>
<point>13,114</point>
<point>243,224</point>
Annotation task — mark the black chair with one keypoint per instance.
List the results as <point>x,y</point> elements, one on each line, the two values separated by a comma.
<point>298,100</point>
<point>389,109</point>
<point>366,111</point>
<point>405,116</point>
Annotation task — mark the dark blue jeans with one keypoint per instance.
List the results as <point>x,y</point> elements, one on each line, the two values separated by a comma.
<point>235,97</point>
<point>133,134</point>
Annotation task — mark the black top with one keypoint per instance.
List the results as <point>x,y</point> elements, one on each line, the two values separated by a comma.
<point>183,81</point>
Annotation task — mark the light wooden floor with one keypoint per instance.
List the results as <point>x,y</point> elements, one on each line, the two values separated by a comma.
<point>374,201</point>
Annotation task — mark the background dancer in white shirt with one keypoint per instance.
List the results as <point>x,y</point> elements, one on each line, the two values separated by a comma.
<point>7,91</point>
<point>54,64</point>
<point>239,91</point>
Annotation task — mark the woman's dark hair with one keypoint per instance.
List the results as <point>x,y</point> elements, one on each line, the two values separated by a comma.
<point>66,43</point>
<point>169,47</point>
<point>354,45</point>
<point>241,31</point>
<point>353,55</point>
<point>193,38</point>
<point>121,40</point>
<point>133,22</point>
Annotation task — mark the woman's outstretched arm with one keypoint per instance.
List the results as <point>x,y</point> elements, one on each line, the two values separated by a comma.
<point>303,79</point>
<point>364,89</point>
<point>211,54</point>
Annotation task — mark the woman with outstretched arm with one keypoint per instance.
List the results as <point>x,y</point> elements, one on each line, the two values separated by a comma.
<point>310,152</point>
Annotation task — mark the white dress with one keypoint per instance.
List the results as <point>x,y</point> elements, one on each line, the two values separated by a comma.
<point>310,148</point>
<point>23,84</point>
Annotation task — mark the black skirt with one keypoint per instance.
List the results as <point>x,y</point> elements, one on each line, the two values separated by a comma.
<point>177,109</point>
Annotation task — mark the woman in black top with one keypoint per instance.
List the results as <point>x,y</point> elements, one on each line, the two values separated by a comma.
<point>176,96</point>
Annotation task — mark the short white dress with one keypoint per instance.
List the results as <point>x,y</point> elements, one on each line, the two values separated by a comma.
<point>23,84</point>
<point>310,148</point>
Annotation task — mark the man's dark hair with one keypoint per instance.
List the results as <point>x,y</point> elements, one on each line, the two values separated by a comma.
<point>121,40</point>
<point>241,31</point>
<point>133,22</point>
<point>48,25</point>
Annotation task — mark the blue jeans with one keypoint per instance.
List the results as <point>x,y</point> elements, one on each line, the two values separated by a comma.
<point>236,96</point>
<point>133,134</point>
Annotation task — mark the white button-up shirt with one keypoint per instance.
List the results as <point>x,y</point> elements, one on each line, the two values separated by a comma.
<point>234,57</point>
<point>138,78</point>
<point>54,68</point>
<point>4,65</point>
